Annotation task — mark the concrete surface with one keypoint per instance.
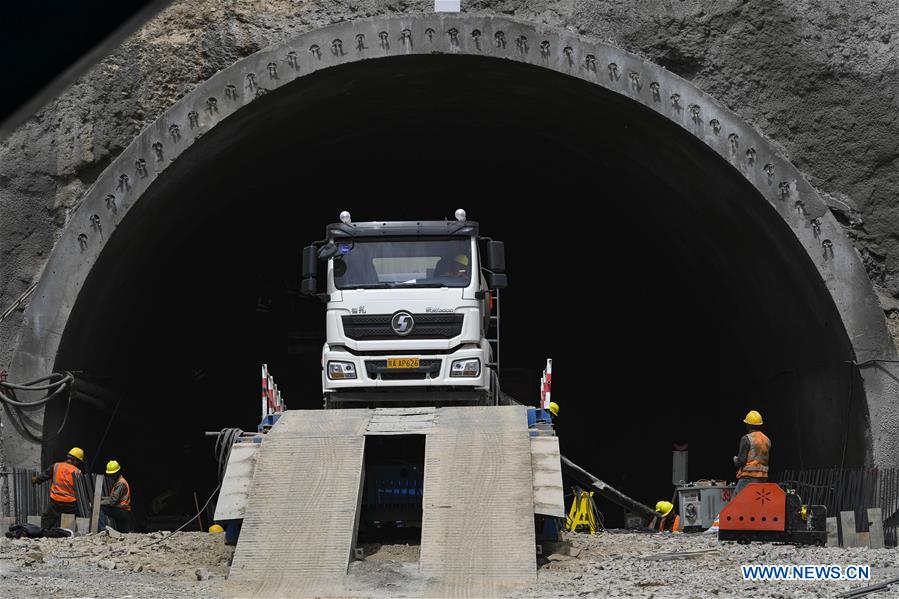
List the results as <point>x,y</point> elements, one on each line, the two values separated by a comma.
<point>300,518</point>
<point>478,505</point>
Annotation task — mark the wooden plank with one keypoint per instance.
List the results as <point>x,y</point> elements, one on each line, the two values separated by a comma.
<point>300,518</point>
<point>95,506</point>
<point>833,532</point>
<point>478,504</point>
<point>549,495</point>
<point>875,527</point>
<point>864,538</point>
<point>238,481</point>
<point>401,421</point>
<point>847,529</point>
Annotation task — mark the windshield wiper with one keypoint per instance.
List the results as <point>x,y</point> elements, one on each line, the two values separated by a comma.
<point>368,286</point>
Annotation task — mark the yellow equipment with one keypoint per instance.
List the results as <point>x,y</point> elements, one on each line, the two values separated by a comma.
<point>753,418</point>
<point>216,528</point>
<point>112,467</point>
<point>554,408</point>
<point>77,452</point>
<point>664,508</point>
<point>582,513</point>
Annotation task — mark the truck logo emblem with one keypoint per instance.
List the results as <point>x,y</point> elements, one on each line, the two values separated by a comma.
<point>402,323</point>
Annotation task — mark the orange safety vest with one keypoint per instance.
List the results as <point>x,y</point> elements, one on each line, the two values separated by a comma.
<point>62,489</point>
<point>125,501</point>
<point>756,465</point>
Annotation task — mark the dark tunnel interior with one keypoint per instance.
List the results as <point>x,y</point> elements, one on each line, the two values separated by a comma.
<point>669,294</point>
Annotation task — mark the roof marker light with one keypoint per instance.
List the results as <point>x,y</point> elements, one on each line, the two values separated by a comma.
<point>345,217</point>
<point>460,215</point>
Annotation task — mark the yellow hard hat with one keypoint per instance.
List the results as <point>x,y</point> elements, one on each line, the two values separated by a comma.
<point>216,528</point>
<point>461,259</point>
<point>112,467</point>
<point>753,418</point>
<point>664,508</point>
<point>77,452</point>
<point>553,408</point>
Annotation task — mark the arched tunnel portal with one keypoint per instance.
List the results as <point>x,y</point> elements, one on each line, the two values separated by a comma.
<point>675,267</point>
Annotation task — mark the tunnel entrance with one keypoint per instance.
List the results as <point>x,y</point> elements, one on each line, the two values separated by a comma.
<point>671,296</point>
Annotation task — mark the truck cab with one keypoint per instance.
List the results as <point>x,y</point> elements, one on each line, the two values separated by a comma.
<point>410,316</point>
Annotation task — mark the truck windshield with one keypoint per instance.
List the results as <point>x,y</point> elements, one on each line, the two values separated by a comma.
<point>403,262</point>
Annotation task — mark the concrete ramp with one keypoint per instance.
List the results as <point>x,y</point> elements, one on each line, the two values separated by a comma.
<point>478,519</point>
<point>301,516</point>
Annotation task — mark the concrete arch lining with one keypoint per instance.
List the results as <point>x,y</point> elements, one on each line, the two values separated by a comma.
<point>124,182</point>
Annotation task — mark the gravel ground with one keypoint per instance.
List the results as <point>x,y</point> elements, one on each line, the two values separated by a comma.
<point>611,564</point>
<point>155,565</point>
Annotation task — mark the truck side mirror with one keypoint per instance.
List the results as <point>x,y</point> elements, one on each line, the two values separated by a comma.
<point>496,280</point>
<point>496,256</point>
<point>310,262</point>
<point>309,287</point>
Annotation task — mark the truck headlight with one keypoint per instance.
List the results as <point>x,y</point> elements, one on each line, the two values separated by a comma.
<point>469,368</point>
<point>341,370</point>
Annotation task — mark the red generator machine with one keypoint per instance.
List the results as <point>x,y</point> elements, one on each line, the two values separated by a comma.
<point>765,512</point>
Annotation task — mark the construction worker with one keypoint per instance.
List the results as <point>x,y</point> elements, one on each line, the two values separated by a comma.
<point>117,505</point>
<point>453,267</point>
<point>668,522</point>
<point>63,498</point>
<point>752,459</point>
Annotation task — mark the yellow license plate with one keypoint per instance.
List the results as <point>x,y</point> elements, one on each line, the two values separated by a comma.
<point>403,363</point>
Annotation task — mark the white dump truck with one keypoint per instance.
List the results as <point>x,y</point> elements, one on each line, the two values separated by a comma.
<point>412,312</point>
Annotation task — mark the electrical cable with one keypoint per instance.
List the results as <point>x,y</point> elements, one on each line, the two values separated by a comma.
<point>115,411</point>
<point>165,538</point>
<point>65,377</point>
<point>180,528</point>
<point>57,386</point>
<point>60,382</point>
<point>223,444</point>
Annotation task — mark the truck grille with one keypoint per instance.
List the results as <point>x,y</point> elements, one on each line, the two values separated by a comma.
<point>427,368</point>
<point>376,327</point>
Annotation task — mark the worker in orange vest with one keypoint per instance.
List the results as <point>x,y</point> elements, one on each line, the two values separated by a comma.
<point>668,522</point>
<point>752,459</point>
<point>117,505</point>
<point>63,498</point>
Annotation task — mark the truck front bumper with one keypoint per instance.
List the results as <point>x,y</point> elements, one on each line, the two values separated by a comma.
<point>372,371</point>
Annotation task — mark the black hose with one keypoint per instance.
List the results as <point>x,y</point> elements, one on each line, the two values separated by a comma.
<point>65,377</point>
<point>223,444</point>
<point>31,405</point>
<point>65,380</point>
<point>15,409</point>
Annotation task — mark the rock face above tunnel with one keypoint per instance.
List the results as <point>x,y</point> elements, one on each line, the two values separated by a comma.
<point>821,83</point>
